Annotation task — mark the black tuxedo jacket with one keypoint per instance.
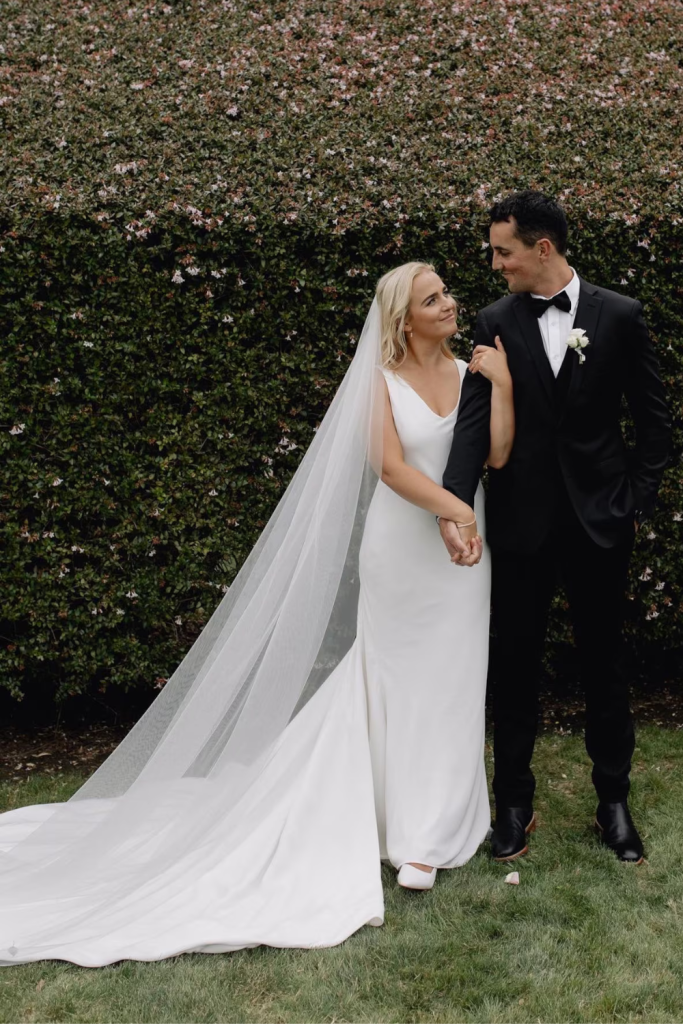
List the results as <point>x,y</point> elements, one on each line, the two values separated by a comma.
<point>567,439</point>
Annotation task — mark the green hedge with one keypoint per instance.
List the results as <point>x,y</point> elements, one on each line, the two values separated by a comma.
<point>196,203</point>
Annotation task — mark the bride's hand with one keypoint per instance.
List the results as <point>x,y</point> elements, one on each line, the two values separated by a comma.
<point>470,535</point>
<point>463,543</point>
<point>455,545</point>
<point>491,363</point>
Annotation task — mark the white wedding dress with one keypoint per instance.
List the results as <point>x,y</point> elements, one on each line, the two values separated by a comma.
<point>385,761</point>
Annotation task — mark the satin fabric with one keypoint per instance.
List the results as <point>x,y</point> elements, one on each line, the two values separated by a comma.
<point>385,761</point>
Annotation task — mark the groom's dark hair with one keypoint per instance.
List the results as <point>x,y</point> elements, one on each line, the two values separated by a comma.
<point>536,215</point>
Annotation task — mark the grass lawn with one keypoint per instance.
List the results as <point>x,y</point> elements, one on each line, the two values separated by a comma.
<point>582,938</point>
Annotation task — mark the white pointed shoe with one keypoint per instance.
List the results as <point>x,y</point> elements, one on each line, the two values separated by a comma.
<point>414,878</point>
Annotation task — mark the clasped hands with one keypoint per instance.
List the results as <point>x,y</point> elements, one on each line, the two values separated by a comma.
<point>463,543</point>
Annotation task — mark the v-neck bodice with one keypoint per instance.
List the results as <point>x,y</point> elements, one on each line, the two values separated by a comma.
<point>424,435</point>
<point>448,414</point>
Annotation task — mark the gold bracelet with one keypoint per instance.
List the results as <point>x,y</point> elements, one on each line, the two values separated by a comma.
<point>439,518</point>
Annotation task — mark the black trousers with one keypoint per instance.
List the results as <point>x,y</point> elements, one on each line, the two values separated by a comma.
<point>523,585</point>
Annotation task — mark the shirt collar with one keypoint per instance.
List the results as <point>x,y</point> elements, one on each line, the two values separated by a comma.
<point>572,289</point>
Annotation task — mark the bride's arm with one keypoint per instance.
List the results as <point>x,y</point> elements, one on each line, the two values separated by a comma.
<point>492,364</point>
<point>502,425</point>
<point>410,483</point>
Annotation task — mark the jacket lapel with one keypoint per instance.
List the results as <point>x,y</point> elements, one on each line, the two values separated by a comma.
<point>587,316</point>
<point>531,333</point>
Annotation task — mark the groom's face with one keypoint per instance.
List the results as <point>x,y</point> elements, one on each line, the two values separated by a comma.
<point>520,265</point>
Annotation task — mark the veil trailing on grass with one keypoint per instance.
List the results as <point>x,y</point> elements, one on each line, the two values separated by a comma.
<point>286,622</point>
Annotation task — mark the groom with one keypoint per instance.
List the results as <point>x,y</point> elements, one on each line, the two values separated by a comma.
<point>565,507</point>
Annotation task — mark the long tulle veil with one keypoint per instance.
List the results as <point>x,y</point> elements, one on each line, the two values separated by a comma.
<point>283,626</point>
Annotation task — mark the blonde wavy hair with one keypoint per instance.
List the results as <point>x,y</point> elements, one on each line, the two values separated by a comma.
<point>393,298</point>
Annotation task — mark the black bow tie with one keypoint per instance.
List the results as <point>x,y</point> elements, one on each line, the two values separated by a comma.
<point>561,300</point>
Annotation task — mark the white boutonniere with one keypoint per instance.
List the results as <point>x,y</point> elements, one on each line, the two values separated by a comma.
<point>578,339</point>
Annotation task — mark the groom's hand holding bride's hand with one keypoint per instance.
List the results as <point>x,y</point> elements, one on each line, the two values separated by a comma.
<point>464,545</point>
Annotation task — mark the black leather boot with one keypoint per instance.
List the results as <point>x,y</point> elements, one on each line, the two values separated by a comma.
<point>616,829</point>
<point>509,838</point>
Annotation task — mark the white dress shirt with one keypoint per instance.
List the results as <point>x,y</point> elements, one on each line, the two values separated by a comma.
<point>555,324</point>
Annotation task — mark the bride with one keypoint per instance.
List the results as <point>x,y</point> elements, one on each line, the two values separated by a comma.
<point>331,714</point>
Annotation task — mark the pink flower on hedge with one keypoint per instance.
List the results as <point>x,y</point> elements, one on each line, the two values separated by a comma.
<point>126,168</point>
<point>177,278</point>
<point>18,428</point>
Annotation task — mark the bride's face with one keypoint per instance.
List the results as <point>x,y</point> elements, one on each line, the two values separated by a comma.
<point>431,314</point>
